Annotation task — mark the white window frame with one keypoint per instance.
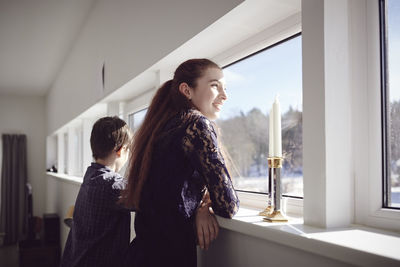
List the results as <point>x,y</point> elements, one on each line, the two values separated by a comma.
<point>368,189</point>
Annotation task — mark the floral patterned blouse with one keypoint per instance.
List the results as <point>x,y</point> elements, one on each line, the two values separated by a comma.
<point>186,161</point>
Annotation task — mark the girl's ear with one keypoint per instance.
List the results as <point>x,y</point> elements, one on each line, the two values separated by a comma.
<point>184,88</point>
<point>119,152</point>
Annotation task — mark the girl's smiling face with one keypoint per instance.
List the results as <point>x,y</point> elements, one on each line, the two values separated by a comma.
<point>209,94</point>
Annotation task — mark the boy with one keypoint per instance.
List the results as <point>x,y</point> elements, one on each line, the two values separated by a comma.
<point>100,232</point>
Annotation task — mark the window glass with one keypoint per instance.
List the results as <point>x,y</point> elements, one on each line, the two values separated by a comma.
<point>80,151</point>
<point>393,95</point>
<point>75,149</point>
<point>252,85</point>
<point>65,152</point>
<point>135,119</point>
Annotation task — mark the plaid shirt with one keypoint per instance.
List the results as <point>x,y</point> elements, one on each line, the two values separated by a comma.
<point>100,232</point>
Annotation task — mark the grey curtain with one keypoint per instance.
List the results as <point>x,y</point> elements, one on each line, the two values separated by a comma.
<point>13,219</point>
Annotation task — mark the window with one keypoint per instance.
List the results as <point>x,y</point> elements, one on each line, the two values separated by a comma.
<point>390,82</point>
<point>79,137</point>
<point>66,153</point>
<point>252,84</point>
<point>135,119</point>
<point>76,150</point>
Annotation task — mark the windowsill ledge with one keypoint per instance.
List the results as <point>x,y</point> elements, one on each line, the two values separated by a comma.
<point>358,245</point>
<point>66,178</point>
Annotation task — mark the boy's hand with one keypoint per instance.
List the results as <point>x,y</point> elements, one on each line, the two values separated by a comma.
<point>206,224</point>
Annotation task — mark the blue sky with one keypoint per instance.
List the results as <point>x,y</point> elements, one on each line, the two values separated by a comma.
<point>254,82</point>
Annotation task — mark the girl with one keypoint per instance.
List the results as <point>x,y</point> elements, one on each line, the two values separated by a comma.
<point>176,165</point>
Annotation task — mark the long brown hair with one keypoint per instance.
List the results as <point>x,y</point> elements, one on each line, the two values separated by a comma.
<point>166,103</point>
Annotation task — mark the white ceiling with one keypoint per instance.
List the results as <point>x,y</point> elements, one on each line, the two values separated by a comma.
<point>37,35</point>
<point>35,38</point>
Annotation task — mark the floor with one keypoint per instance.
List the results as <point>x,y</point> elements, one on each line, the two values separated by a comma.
<point>9,256</point>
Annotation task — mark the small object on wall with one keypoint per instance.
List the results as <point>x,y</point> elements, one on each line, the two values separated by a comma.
<point>103,74</point>
<point>52,169</point>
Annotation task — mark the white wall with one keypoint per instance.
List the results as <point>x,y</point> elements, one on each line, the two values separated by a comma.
<point>235,249</point>
<point>26,115</point>
<point>60,196</point>
<point>128,37</point>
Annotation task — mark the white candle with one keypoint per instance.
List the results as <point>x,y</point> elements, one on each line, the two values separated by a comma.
<point>276,111</point>
<point>271,133</point>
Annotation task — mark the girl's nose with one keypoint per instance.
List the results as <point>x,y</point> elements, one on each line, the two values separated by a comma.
<point>223,94</point>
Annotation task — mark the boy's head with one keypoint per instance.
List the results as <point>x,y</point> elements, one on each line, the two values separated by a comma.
<point>109,135</point>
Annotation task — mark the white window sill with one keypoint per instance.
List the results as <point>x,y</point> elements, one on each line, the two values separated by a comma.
<point>358,245</point>
<point>66,178</point>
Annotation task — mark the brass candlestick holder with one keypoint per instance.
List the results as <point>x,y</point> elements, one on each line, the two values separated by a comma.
<point>273,211</point>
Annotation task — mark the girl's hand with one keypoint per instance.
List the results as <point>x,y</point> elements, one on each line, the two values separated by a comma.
<point>206,225</point>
